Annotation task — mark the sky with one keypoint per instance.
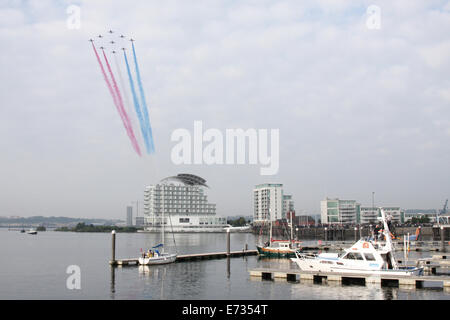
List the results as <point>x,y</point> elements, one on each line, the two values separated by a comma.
<point>359,109</point>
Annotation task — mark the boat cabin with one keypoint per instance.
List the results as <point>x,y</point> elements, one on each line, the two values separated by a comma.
<point>370,253</point>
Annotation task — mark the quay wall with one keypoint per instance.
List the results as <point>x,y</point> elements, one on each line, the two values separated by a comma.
<point>319,233</point>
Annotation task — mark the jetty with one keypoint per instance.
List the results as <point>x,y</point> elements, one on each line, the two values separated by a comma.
<point>183,257</point>
<point>304,275</point>
<point>191,257</point>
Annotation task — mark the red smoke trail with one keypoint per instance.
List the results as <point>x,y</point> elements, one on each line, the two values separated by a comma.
<point>117,104</point>
<point>124,114</point>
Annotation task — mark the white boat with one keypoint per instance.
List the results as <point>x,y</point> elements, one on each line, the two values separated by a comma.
<point>32,231</point>
<point>154,257</point>
<point>369,257</point>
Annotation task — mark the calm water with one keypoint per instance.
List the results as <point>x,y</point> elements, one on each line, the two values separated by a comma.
<point>34,267</point>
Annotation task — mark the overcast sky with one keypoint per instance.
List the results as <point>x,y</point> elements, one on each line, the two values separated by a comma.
<point>359,110</point>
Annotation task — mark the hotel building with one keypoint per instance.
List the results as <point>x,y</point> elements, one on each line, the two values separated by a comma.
<point>181,205</point>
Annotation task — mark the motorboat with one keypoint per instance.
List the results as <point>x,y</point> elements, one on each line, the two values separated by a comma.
<point>367,256</point>
<point>278,249</point>
<point>32,231</point>
<point>274,248</point>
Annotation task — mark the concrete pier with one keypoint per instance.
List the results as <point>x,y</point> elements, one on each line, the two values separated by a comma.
<point>293,274</point>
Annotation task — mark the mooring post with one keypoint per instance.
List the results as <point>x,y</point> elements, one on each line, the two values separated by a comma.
<point>113,246</point>
<point>326,234</point>
<point>356,229</point>
<point>228,242</point>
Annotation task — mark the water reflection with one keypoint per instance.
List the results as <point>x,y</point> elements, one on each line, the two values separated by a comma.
<point>205,279</point>
<point>389,293</point>
<point>113,282</point>
<point>277,263</point>
<point>187,279</point>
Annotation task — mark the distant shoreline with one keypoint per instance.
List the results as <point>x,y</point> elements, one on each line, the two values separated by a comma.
<point>82,227</point>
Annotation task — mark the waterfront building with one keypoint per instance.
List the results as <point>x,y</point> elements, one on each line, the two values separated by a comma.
<point>181,205</point>
<point>370,215</point>
<point>337,211</point>
<point>288,205</point>
<point>139,221</point>
<point>267,202</point>
<point>129,216</point>
<point>419,213</point>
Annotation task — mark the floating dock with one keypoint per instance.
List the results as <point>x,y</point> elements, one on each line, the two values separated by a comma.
<point>191,257</point>
<point>294,274</point>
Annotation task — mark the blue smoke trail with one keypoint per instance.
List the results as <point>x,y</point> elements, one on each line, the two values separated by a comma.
<point>144,103</point>
<point>137,107</point>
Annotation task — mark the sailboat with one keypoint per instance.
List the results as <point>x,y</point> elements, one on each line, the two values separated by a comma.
<point>278,248</point>
<point>158,256</point>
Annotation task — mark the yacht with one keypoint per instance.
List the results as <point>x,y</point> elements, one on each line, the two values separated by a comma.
<point>153,257</point>
<point>279,248</point>
<point>366,256</point>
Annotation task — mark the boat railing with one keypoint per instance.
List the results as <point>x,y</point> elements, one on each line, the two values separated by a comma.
<point>305,255</point>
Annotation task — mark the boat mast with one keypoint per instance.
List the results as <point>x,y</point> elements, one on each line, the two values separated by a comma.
<point>387,235</point>
<point>270,231</point>
<point>164,190</point>
<point>290,214</point>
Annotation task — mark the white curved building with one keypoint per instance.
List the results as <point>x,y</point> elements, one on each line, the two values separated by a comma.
<point>180,203</point>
